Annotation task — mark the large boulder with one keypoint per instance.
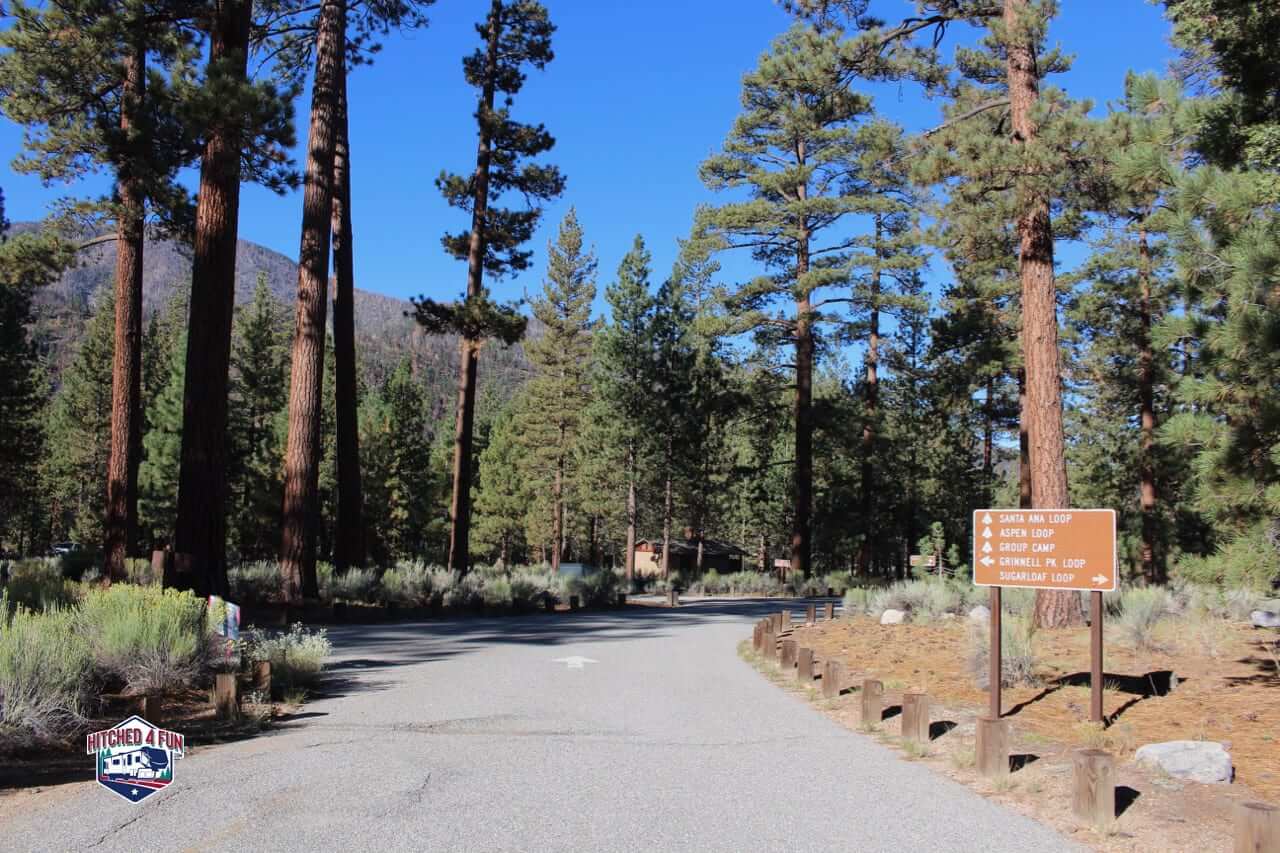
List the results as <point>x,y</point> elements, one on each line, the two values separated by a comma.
<point>1264,619</point>
<point>981,613</point>
<point>1193,760</point>
<point>892,617</point>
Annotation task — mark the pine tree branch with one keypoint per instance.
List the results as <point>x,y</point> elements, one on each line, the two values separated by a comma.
<point>967,114</point>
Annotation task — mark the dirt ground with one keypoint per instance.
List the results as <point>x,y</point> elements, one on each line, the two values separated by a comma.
<point>1225,687</point>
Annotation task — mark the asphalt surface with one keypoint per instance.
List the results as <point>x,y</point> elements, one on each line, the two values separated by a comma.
<point>468,735</point>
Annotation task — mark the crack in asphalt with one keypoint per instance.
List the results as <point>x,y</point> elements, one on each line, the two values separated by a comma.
<point>137,817</point>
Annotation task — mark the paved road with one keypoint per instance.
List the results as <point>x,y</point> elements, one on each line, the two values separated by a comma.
<point>468,736</point>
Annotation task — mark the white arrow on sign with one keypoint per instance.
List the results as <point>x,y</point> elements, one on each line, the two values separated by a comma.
<point>986,518</point>
<point>986,561</point>
<point>575,662</point>
<point>1099,580</point>
<point>986,547</point>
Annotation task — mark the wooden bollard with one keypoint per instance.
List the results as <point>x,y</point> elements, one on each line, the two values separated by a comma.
<point>622,599</point>
<point>224,695</point>
<point>831,592</point>
<point>757,633</point>
<point>673,598</point>
<point>1094,793</point>
<point>770,643</point>
<point>574,602</point>
<point>915,717</point>
<point>785,621</point>
<point>789,648</point>
<point>548,603</point>
<point>831,610</point>
<point>262,678</point>
<point>149,707</point>
<point>832,678</point>
<point>804,666</point>
<point>1257,828</point>
<point>775,622</point>
<point>810,615</point>
<point>992,747</point>
<point>872,702</point>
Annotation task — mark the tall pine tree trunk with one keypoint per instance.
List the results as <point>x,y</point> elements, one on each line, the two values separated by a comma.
<point>1043,412</point>
<point>868,425</point>
<point>126,367</point>
<point>666,514</point>
<point>201,529</point>
<point>1024,444</point>
<point>469,350</point>
<point>1152,567</point>
<point>303,451</point>
<point>988,442</point>
<point>349,547</point>
<point>557,510</point>
<point>630,561</point>
<point>800,534</point>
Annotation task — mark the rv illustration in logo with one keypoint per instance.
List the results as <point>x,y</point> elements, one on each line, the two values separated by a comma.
<point>135,759</point>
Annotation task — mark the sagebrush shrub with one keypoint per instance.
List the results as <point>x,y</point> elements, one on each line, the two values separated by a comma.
<point>1141,610</point>
<point>408,583</point>
<point>37,583</point>
<point>359,585</point>
<point>297,656</point>
<point>44,673</point>
<point>1018,659</point>
<point>146,637</point>
<point>254,583</point>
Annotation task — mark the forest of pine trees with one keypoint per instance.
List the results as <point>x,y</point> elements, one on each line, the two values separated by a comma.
<point>906,345</point>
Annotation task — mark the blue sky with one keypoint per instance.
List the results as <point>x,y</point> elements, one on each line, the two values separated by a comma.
<point>636,99</point>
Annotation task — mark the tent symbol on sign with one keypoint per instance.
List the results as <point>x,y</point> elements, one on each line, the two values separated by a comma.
<point>986,518</point>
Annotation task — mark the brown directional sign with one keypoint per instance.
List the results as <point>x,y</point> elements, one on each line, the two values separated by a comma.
<point>1045,548</point>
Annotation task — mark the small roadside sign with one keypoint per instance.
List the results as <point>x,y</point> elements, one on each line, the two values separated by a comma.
<point>919,560</point>
<point>1072,549</point>
<point>782,564</point>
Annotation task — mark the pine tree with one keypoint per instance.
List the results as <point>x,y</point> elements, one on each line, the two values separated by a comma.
<point>516,33</point>
<point>1131,289</point>
<point>162,449</point>
<point>400,475</point>
<point>88,82</point>
<point>501,500</point>
<point>79,432</point>
<point>259,362</point>
<point>27,262</point>
<point>560,387</point>
<point>791,149</point>
<point>623,400</point>
<point>303,451</point>
<point>674,358</point>
<point>246,128</point>
<point>1006,72</point>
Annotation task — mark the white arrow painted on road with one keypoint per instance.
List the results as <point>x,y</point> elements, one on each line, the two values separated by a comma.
<point>575,662</point>
<point>986,561</point>
<point>1099,580</point>
<point>986,547</point>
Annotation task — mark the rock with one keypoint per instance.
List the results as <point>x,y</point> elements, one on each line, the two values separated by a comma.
<point>892,617</point>
<point>1264,619</point>
<point>1193,760</point>
<point>981,613</point>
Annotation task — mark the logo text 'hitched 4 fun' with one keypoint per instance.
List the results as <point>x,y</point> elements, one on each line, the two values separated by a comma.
<point>135,758</point>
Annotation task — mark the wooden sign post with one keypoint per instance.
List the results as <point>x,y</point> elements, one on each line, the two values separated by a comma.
<point>1058,549</point>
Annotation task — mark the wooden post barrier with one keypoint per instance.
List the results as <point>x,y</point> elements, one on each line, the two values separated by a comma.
<point>262,677</point>
<point>810,615</point>
<point>770,643</point>
<point>224,695</point>
<point>775,622</point>
<point>757,633</point>
<point>785,620</point>
<point>673,597</point>
<point>804,666</point>
<point>831,592</point>
<point>992,748</point>
<point>574,602</point>
<point>622,599</point>
<point>1257,828</point>
<point>872,702</point>
<point>149,707</point>
<point>831,610</point>
<point>1094,793</point>
<point>915,717</point>
<point>548,602</point>
<point>832,678</point>
<point>788,654</point>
